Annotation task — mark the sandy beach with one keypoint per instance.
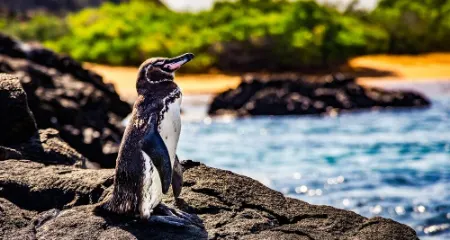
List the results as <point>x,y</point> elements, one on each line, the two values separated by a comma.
<point>402,68</point>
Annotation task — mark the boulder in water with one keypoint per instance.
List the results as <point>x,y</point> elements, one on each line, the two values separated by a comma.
<point>291,94</point>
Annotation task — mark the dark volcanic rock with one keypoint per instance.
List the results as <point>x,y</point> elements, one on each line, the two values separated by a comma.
<point>65,96</point>
<point>19,136</point>
<point>13,219</point>
<point>231,206</point>
<point>83,223</point>
<point>34,186</point>
<point>294,95</point>
<point>45,147</point>
<point>234,206</point>
<point>16,120</point>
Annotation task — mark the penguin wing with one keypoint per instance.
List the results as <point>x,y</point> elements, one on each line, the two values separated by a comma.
<point>154,146</point>
<point>177,178</point>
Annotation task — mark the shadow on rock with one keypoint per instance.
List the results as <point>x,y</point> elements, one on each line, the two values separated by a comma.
<point>84,223</point>
<point>141,229</point>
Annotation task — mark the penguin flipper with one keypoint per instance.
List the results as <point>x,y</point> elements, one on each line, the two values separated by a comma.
<point>177,178</point>
<point>154,146</point>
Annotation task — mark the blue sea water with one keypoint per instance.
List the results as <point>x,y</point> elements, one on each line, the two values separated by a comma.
<point>391,163</point>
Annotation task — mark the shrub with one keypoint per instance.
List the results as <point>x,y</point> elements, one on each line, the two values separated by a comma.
<point>243,35</point>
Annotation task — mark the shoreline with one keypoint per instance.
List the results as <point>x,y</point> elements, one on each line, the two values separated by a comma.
<point>425,68</point>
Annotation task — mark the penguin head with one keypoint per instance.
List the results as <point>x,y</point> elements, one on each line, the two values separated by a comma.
<point>157,70</point>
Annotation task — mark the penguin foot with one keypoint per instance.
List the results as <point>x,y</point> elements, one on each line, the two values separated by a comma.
<point>166,215</point>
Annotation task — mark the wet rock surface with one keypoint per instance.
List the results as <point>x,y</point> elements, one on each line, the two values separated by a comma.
<point>296,95</point>
<point>65,96</point>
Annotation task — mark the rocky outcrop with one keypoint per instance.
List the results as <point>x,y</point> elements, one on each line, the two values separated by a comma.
<point>296,95</point>
<point>43,196</point>
<point>231,207</point>
<point>17,123</point>
<point>46,147</point>
<point>20,137</point>
<point>35,186</point>
<point>65,96</point>
<point>13,219</point>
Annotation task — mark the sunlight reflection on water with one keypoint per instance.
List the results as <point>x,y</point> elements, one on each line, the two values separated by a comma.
<point>393,163</point>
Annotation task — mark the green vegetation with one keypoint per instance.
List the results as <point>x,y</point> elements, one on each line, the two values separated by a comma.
<point>243,35</point>
<point>41,27</point>
<point>415,26</point>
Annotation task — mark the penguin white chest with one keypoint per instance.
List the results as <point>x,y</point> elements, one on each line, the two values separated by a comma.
<point>170,128</point>
<point>152,189</point>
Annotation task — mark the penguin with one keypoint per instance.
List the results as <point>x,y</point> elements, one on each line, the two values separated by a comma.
<point>147,164</point>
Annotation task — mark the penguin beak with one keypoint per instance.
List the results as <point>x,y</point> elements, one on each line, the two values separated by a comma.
<point>173,64</point>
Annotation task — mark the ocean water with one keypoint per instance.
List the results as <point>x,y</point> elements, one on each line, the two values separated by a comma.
<point>390,163</point>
